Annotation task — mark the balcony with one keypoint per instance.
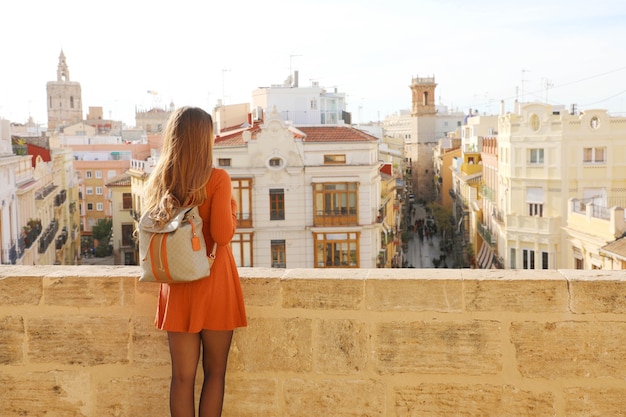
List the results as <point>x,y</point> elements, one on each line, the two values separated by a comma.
<point>80,341</point>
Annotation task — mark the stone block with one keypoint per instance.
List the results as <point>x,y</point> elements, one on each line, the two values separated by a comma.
<point>261,292</point>
<point>340,347</point>
<point>324,294</point>
<point>444,400</point>
<point>538,296</point>
<point>83,292</point>
<point>150,346</point>
<point>570,349</point>
<point>251,397</point>
<point>273,344</point>
<point>589,297</point>
<point>434,347</point>
<point>18,290</point>
<point>12,340</point>
<point>53,393</point>
<point>414,295</point>
<point>336,398</point>
<point>585,402</point>
<point>78,340</point>
<point>133,396</point>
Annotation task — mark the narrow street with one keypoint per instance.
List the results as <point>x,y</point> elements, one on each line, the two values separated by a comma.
<point>422,251</point>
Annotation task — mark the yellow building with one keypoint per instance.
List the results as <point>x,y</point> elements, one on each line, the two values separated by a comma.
<point>548,155</point>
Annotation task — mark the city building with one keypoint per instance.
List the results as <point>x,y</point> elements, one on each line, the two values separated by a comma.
<point>532,162</point>
<point>313,105</point>
<point>64,100</point>
<point>123,226</point>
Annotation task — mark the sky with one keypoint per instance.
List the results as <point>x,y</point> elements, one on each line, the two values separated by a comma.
<point>193,53</point>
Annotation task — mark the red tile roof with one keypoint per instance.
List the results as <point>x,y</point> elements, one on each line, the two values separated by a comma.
<point>335,134</point>
<point>310,134</point>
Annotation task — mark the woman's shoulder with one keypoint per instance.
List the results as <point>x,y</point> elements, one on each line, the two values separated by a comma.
<point>219,174</point>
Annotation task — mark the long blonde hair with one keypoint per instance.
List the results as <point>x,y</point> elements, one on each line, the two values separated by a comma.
<point>184,167</point>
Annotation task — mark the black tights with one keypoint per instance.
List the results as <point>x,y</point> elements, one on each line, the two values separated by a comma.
<point>185,354</point>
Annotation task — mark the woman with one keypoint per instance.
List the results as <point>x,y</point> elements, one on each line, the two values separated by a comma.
<point>199,316</point>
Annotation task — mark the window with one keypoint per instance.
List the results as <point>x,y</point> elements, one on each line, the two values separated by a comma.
<point>99,190</point>
<point>89,206</point>
<point>313,104</point>
<point>594,155</point>
<point>99,206</point>
<point>87,174</point>
<point>278,254</point>
<point>72,102</point>
<point>98,174</point>
<point>337,250</point>
<point>89,190</point>
<point>528,259</point>
<point>335,203</point>
<point>127,201</point>
<point>241,245</point>
<point>334,159</point>
<point>277,204</point>
<point>223,162</point>
<point>127,234</point>
<point>545,260</point>
<point>534,200</point>
<point>242,192</point>
<point>579,263</point>
<point>535,156</point>
<point>513,259</point>
<point>275,162</point>
<point>535,209</point>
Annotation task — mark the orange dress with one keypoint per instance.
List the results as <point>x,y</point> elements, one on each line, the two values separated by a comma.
<point>215,302</point>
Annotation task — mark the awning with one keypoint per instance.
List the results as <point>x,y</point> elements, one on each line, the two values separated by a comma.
<point>485,256</point>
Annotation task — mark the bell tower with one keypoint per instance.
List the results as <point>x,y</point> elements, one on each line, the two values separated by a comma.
<point>64,101</point>
<point>423,136</point>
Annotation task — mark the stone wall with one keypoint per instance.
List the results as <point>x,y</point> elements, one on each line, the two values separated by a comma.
<point>80,341</point>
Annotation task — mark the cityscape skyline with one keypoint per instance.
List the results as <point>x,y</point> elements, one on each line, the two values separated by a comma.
<point>478,53</point>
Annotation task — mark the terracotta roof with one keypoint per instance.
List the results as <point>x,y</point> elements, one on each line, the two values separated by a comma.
<point>617,247</point>
<point>335,134</point>
<point>122,180</point>
<point>310,134</point>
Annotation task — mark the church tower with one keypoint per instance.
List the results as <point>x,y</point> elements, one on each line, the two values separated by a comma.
<point>65,105</point>
<point>423,136</point>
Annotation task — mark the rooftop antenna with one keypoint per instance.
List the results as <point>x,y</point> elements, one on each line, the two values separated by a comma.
<point>223,89</point>
<point>548,84</point>
<point>523,81</point>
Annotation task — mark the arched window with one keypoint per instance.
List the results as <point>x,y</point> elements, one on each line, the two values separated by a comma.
<point>72,102</point>
<point>425,98</point>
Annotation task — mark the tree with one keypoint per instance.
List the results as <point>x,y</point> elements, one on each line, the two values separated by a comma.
<point>102,232</point>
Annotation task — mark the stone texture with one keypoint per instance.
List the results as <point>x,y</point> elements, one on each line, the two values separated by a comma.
<point>273,344</point>
<point>51,393</point>
<point>251,397</point>
<point>20,290</point>
<point>586,402</point>
<point>150,346</point>
<point>12,340</point>
<point>340,347</point>
<point>598,297</point>
<point>262,292</point>
<point>133,396</point>
<point>570,349</point>
<point>414,295</point>
<point>446,400</point>
<point>81,292</point>
<point>78,340</point>
<point>466,347</point>
<point>336,398</point>
<point>323,294</point>
<point>539,296</point>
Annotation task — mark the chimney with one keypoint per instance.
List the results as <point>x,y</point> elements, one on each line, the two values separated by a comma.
<point>295,78</point>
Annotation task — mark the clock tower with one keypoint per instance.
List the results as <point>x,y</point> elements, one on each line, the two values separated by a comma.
<point>64,101</point>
